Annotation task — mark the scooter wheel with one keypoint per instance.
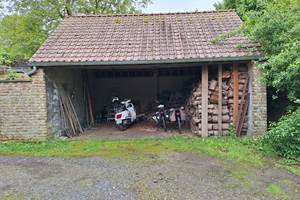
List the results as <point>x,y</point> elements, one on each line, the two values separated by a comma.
<point>121,127</point>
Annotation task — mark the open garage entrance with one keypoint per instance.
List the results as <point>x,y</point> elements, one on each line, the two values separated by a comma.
<point>182,85</point>
<point>145,86</point>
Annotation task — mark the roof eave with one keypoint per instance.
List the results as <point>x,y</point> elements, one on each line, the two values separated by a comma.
<point>143,62</point>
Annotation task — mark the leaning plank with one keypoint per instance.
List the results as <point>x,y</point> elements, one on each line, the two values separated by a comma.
<point>243,115</point>
<point>75,117</point>
<point>204,101</point>
<point>243,107</point>
<point>235,94</point>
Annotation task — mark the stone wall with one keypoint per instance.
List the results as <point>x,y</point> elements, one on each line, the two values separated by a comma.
<point>258,102</point>
<point>70,81</point>
<point>54,118</point>
<point>23,109</point>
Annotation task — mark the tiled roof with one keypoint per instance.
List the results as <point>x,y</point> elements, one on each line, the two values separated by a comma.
<point>145,38</point>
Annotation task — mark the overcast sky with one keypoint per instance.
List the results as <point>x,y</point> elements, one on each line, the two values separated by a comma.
<point>179,5</point>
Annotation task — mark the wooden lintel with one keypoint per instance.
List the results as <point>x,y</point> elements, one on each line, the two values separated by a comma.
<point>204,102</point>
<point>235,94</point>
<point>220,84</point>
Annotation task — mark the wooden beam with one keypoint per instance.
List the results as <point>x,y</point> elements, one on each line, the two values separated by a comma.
<point>220,84</point>
<point>235,94</point>
<point>204,102</point>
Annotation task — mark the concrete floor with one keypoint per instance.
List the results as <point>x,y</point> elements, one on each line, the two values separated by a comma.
<point>138,130</point>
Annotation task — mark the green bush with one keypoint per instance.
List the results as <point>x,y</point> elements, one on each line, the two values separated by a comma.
<point>284,136</point>
<point>11,74</point>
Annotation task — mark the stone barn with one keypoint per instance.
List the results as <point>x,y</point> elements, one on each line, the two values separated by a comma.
<point>196,58</point>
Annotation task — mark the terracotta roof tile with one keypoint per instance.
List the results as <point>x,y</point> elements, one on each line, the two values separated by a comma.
<point>145,37</point>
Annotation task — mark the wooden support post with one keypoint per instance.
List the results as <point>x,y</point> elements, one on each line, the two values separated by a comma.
<point>204,103</point>
<point>220,99</point>
<point>235,94</point>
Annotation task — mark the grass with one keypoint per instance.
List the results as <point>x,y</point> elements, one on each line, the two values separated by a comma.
<point>292,168</point>
<point>19,76</point>
<point>276,191</point>
<point>226,148</point>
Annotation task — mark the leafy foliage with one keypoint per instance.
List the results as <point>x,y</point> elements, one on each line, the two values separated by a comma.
<point>20,36</point>
<point>28,23</point>
<point>51,12</point>
<point>4,57</point>
<point>242,6</point>
<point>278,31</point>
<point>11,74</point>
<point>284,136</point>
<point>275,24</point>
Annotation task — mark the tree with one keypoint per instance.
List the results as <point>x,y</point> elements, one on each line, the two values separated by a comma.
<point>242,6</point>
<point>277,29</point>
<point>4,58</point>
<point>28,22</point>
<point>226,4</point>
<point>52,11</point>
<point>20,36</point>
<point>275,24</point>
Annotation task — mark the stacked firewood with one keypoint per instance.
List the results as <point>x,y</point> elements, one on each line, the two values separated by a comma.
<point>194,104</point>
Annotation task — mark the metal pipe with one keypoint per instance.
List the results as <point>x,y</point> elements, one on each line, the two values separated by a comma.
<point>33,71</point>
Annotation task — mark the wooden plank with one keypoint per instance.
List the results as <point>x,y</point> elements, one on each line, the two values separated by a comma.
<point>204,102</point>
<point>220,99</point>
<point>243,107</point>
<point>235,94</point>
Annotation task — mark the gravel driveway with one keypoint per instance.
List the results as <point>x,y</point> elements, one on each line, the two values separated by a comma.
<point>175,176</point>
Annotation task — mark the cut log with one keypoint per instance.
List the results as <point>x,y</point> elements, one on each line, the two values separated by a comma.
<point>213,85</point>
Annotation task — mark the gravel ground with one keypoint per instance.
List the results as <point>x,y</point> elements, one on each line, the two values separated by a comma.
<point>175,176</point>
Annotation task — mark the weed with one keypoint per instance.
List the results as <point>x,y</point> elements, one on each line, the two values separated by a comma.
<point>276,191</point>
<point>11,74</point>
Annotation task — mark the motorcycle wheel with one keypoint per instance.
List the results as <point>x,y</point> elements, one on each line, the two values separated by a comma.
<point>179,125</point>
<point>164,124</point>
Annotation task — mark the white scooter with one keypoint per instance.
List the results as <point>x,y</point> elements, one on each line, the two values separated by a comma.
<point>126,115</point>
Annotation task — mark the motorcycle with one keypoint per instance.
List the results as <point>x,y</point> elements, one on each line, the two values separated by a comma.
<point>178,115</point>
<point>174,115</point>
<point>161,117</point>
<point>125,115</point>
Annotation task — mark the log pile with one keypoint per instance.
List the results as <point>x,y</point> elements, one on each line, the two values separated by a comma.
<point>193,104</point>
